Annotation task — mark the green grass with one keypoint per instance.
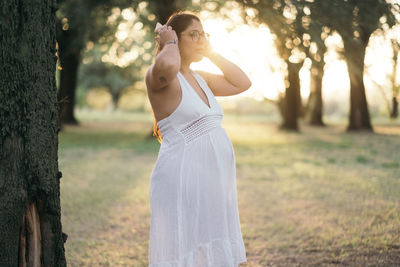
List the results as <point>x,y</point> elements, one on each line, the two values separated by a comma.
<point>322,197</point>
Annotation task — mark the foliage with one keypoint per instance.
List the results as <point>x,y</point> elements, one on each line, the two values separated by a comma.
<point>83,21</point>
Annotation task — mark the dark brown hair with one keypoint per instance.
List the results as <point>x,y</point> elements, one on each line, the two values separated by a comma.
<point>179,21</point>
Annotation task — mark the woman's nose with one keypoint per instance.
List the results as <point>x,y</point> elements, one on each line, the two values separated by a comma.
<point>202,40</point>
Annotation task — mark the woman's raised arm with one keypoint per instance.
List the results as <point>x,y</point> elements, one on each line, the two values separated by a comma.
<point>232,82</point>
<point>167,62</point>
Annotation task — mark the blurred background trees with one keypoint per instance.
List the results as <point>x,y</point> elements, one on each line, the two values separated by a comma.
<point>355,21</point>
<point>78,23</point>
<point>109,45</point>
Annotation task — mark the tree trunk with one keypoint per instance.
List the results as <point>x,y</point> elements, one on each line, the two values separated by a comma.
<point>315,104</point>
<point>395,108</point>
<point>30,216</point>
<point>115,96</point>
<point>291,100</point>
<point>68,81</point>
<point>395,88</point>
<point>70,44</point>
<point>359,115</point>
<point>163,9</point>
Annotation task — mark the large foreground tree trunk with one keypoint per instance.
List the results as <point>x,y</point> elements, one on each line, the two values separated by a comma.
<point>359,115</point>
<point>30,217</point>
<point>290,104</point>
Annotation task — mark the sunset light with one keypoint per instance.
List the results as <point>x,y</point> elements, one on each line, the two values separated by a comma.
<point>121,148</point>
<point>252,47</point>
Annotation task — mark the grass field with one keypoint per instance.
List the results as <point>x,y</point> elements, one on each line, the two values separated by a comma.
<point>322,197</point>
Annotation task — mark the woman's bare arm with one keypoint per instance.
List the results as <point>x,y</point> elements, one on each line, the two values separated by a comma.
<point>167,62</point>
<point>232,82</point>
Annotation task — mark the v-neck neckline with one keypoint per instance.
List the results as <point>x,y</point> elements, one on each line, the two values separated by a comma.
<point>208,99</point>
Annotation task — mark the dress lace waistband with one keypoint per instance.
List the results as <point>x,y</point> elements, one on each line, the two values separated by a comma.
<point>200,127</point>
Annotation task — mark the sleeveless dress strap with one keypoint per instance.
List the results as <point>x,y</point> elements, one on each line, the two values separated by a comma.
<point>203,84</point>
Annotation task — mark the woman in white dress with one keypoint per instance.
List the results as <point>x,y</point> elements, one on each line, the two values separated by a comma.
<point>193,198</point>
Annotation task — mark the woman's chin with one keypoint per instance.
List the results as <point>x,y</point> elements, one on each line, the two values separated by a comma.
<point>197,58</point>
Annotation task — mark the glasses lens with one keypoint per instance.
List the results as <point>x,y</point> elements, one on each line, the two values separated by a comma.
<point>196,36</point>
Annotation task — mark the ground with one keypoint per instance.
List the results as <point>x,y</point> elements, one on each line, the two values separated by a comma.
<point>322,197</point>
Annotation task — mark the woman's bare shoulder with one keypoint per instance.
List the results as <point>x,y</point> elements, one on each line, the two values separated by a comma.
<point>203,74</point>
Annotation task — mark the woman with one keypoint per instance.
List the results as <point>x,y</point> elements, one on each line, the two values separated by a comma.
<point>193,198</point>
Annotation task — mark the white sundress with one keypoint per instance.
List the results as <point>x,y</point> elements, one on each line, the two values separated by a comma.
<point>193,197</point>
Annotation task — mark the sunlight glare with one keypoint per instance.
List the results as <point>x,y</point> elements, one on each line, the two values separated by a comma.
<point>248,47</point>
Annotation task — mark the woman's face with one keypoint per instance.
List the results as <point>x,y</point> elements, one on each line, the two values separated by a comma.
<point>189,49</point>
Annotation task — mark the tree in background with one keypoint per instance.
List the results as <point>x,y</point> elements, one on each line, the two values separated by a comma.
<point>118,64</point>
<point>164,8</point>
<point>77,23</point>
<point>113,77</point>
<point>282,19</point>
<point>80,22</point>
<point>315,100</point>
<point>355,21</point>
<point>314,34</point>
<point>394,83</point>
<point>30,216</point>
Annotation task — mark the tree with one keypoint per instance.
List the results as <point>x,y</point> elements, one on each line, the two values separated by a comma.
<point>395,88</point>
<point>355,21</point>
<point>30,216</point>
<point>105,74</point>
<point>163,9</point>
<point>78,22</point>
<point>81,21</point>
<point>315,102</point>
<point>282,19</point>
<point>314,35</point>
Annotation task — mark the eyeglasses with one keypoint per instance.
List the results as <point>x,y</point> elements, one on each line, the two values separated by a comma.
<point>195,34</point>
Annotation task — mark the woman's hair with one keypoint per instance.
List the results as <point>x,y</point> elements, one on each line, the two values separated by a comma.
<point>179,21</point>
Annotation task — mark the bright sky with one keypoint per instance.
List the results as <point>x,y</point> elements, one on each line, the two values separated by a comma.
<point>252,50</point>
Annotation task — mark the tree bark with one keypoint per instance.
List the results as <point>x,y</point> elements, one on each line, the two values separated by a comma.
<point>315,103</point>
<point>291,100</point>
<point>30,216</point>
<point>359,117</point>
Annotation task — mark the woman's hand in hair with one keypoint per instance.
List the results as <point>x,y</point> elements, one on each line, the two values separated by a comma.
<point>208,50</point>
<point>167,62</point>
<point>165,34</point>
<point>232,82</point>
